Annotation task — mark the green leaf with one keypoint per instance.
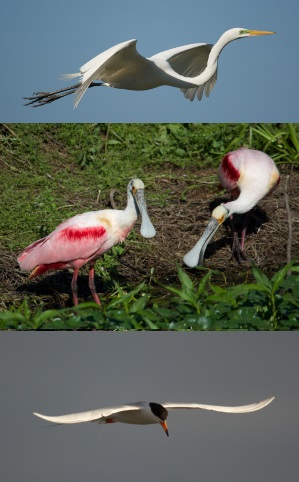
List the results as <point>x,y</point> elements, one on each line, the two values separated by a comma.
<point>279,277</point>
<point>203,282</point>
<point>139,304</point>
<point>185,280</point>
<point>262,278</point>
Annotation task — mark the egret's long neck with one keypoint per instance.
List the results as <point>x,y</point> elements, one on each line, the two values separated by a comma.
<point>210,69</point>
<point>219,45</point>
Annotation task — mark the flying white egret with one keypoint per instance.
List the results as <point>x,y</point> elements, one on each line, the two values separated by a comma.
<point>146,413</point>
<point>192,68</point>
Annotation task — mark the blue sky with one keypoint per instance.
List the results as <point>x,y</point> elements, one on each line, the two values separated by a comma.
<point>257,78</point>
<point>58,373</point>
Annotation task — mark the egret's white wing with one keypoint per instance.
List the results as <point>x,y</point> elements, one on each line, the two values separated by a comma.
<point>107,65</point>
<point>96,62</point>
<point>98,415</point>
<point>218,408</point>
<point>190,61</point>
<point>198,91</point>
<point>117,57</point>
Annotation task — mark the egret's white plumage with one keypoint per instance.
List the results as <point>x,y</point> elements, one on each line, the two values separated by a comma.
<point>191,68</point>
<point>145,413</point>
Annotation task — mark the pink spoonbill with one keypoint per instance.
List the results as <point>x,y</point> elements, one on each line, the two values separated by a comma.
<point>248,175</point>
<point>85,237</point>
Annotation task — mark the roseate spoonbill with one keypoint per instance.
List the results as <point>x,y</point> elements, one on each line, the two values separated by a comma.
<point>192,68</point>
<point>251,175</point>
<point>85,237</point>
<point>146,413</point>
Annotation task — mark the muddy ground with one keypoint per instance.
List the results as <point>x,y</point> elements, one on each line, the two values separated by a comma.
<point>179,225</point>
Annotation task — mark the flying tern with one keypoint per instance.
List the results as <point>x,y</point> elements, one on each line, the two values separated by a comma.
<point>146,413</point>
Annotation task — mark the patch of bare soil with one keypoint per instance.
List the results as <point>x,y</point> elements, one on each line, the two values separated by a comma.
<point>179,225</point>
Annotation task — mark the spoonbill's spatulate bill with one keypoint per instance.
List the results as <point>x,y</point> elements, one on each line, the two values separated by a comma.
<point>191,68</point>
<point>248,175</point>
<point>146,413</point>
<point>85,237</point>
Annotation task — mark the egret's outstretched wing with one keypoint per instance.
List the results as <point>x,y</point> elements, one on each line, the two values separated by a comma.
<point>198,91</point>
<point>108,64</point>
<point>114,59</point>
<point>99,415</point>
<point>190,61</point>
<point>218,408</point>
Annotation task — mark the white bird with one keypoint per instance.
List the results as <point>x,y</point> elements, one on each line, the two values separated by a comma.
<point>191,68</point>
<point>146,413</point>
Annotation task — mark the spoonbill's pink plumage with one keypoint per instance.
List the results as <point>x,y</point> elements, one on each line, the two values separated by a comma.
<point>85,237</point>
<point>248,175</point>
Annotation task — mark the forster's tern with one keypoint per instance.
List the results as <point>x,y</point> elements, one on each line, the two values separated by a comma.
<point>145,413</point>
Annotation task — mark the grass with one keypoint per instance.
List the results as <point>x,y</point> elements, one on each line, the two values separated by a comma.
<point>50,172</point>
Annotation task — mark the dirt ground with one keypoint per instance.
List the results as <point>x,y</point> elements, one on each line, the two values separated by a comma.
<point>179,225</point>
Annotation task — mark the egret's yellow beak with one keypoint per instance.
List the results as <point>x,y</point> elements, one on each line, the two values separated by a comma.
<point>164,425</point>
<point>260,32</point>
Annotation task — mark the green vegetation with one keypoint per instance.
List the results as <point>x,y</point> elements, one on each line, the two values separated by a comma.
<point>265,305</point>
<point>50,172</point>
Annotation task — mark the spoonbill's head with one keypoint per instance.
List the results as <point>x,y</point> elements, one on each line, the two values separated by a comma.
<point>196,255</point>
<point>136,188</point>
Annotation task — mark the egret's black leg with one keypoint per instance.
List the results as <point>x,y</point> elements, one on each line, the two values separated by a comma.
<point>42,98</point>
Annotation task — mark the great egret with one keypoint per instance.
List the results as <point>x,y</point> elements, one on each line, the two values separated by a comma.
<point>85,237</point>
<point>192,68</point>
<point>146,413</point>
<point>248,175</point>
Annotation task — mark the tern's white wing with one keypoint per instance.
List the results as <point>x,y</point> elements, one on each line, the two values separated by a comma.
<point>99,415</point>
<point>240,409</point>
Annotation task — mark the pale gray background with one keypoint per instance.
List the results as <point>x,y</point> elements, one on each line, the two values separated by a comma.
<point>258,77</point>
<point>57,373</point>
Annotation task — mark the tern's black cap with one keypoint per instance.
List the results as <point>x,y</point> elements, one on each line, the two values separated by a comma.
<point>159,411</point>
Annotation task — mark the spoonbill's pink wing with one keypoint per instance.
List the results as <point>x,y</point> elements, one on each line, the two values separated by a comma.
<point>79,238</point>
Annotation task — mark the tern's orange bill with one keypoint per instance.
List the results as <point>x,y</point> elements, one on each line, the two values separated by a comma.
<point>165,428</point>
